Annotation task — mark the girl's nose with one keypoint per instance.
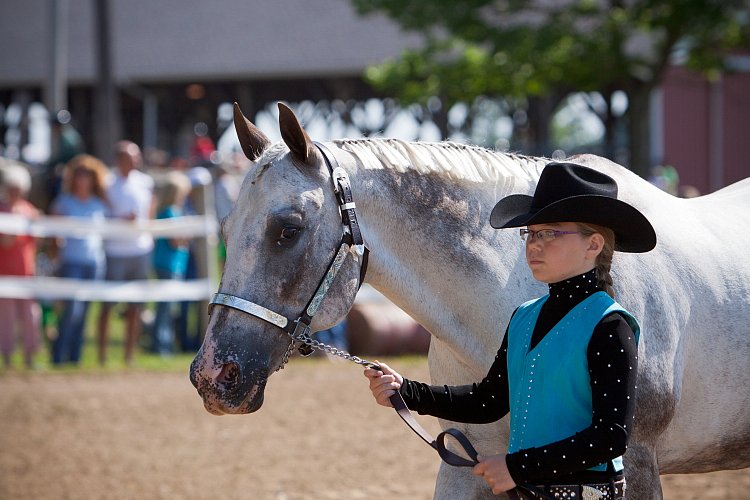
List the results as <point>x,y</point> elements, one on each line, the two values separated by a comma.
<point>533,244</point>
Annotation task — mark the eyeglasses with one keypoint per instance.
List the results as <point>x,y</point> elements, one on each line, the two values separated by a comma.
<point>543,235</point>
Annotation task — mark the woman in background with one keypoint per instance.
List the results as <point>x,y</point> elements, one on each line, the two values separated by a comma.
<point>83,195</point>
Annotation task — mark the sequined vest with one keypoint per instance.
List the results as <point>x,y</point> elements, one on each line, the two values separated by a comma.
<point>550,388</point>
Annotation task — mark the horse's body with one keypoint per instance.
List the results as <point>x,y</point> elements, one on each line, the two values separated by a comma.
<point>424,211</point>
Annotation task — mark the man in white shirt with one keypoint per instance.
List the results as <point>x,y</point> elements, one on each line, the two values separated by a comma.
<point>128,258</point>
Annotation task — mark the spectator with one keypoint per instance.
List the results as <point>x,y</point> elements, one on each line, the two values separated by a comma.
<point>17,258</point>
<point>170,258</point>
<point>129,257</point>
<point>83,196</point>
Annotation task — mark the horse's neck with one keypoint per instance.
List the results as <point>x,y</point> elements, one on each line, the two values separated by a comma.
<point>434,254</point>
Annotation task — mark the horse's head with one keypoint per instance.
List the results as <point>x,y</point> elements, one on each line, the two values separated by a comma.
<point>280,237</point>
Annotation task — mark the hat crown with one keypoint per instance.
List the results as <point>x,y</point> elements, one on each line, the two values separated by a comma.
<point>565,180</point>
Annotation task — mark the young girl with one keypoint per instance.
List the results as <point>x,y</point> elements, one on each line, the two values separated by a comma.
<point>566,369</point>
<point>170,257</point>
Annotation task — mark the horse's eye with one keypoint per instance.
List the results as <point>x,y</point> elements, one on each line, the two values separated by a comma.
<point>289,232</point>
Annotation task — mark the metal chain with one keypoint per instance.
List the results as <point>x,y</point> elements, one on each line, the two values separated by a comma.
<point>320,346</point>
<point>335,351</point>
<point>287,355</point>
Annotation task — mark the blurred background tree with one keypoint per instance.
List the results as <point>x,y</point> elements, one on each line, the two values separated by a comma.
<point>529,56</point>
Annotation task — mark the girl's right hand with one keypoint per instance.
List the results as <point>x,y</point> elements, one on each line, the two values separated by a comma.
<point>383,384</point>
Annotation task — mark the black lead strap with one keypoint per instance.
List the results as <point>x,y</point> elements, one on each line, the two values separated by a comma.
<point>438,443</point>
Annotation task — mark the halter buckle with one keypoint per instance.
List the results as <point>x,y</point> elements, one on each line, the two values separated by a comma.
<point>301,333</point>
<point>305,350</point>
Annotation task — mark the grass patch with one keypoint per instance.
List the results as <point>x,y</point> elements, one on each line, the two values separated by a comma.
<point>142,360</point>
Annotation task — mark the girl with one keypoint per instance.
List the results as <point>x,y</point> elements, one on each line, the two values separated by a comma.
<point>170,257</point>
<point>566,369</point>
<point>84,195</point>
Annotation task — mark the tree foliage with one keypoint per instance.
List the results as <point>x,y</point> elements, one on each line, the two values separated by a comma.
<point>522,48</point>
<point>551,48</point>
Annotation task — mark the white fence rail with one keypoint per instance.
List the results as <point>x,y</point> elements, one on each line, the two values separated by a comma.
<point>43,287</point>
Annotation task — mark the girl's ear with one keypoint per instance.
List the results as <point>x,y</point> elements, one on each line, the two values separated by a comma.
<point>596,245</point>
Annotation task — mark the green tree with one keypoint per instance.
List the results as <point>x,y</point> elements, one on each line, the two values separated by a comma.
<point>542,51</point>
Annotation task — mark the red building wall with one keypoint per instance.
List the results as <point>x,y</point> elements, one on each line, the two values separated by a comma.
<point>736,127</point>
<point>706,128</point>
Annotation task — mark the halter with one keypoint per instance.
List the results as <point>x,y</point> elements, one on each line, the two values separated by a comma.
<point>351,242</point>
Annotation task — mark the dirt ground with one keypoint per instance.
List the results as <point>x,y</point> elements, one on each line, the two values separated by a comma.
<point>146,435</point>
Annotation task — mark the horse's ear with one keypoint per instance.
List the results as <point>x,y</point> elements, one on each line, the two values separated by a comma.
<point>294,135</point>
<point>252,140</point>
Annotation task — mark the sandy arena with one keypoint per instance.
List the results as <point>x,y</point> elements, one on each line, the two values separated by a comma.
<point>146,435</point>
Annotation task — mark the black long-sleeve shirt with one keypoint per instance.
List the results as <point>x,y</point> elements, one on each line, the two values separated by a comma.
<point>612,363</point>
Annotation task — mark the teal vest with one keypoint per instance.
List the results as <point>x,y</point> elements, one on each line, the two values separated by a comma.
<point>550,391</point>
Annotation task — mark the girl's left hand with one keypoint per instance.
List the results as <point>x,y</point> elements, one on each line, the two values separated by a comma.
<point>494,471</point>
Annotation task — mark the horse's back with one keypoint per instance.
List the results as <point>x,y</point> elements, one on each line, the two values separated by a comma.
<point>736,195</point>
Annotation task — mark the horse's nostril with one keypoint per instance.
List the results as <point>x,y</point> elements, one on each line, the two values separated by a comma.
<point>229,375</point>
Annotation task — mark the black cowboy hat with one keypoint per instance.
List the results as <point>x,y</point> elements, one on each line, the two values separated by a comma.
<point>568,192</point>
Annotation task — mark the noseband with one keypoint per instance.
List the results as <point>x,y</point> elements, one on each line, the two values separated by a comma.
<point>351,242</point>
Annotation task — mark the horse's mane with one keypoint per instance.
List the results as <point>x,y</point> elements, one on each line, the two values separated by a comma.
<point>449,159</point>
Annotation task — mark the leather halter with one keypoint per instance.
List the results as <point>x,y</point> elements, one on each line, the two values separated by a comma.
<point>351,242</point>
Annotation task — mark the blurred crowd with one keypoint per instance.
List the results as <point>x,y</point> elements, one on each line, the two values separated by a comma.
<point>77,184</point>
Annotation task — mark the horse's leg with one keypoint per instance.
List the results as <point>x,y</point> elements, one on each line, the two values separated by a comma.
<point>654,410</point>
<point>642,473</point>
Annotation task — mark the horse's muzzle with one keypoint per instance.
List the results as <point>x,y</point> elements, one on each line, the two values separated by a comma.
<point>228,388</point>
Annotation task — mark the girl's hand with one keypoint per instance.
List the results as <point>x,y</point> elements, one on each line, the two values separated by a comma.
<point>494,471</point>
<point>383,384</point>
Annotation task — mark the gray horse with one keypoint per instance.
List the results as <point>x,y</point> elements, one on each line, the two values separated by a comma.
<point>424,212</point>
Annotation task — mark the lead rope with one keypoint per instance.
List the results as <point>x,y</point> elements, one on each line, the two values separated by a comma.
<point>438,444</point>
<point>400,406</point>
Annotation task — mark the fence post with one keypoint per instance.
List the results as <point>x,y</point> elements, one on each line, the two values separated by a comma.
<point>205,247</point>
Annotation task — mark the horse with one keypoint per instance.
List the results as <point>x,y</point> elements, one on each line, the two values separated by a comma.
<point>423,209</point>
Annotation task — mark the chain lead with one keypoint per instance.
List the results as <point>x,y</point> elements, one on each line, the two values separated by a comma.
<point>305,339</point>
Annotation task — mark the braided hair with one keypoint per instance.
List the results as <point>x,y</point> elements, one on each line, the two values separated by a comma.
<point>604,259</point>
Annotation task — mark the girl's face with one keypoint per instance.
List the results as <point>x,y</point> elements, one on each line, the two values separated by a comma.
<point>563,257</point>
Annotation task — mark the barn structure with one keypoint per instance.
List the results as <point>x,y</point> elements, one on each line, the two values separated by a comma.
<point>168,64</point>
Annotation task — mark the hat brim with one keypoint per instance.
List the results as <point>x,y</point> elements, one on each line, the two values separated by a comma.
<point>633,232</point>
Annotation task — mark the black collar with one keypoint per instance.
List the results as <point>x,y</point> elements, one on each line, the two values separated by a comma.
<point>573,290</point>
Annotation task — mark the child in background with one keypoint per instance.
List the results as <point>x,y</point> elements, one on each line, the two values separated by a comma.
<point>170,257</point>
<point>17,258</point>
